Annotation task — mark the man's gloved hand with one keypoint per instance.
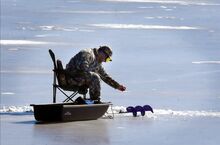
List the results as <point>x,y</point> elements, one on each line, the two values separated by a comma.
<point>121,88</point>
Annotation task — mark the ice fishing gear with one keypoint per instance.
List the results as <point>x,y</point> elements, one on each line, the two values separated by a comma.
<point>138,108</point>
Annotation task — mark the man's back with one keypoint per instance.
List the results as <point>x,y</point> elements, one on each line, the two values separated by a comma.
<point>85,60</point>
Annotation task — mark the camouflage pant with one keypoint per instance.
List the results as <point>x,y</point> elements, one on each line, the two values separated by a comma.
<point>92,81</point>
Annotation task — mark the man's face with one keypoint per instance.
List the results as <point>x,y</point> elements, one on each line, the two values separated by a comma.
<point>107,58</point>
<point>104,57</point>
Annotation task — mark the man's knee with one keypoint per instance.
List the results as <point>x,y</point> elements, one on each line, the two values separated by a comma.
<point>95,77</point>
<point>93,80</point>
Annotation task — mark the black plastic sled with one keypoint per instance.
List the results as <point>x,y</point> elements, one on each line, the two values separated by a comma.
<point>59,112</point>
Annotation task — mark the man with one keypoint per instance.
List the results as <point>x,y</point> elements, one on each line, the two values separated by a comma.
<point>86,69</point>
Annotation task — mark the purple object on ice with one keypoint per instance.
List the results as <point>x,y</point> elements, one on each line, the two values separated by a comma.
<point>132,110</point>
<point>148,108</point>
<point>140,109</point>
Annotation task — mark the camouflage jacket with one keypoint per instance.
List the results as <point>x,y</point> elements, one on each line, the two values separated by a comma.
<point>85,62</point>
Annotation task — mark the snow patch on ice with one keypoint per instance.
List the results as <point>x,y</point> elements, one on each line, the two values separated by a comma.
<point>94,12</point>
<point>136,26</point>
<point>164,17</point>
<point>21,42</point>
<point>206,62</point>
<point>16,109</point>
<point>7,93</point>
<point>167,2</point>
<point>120,110</point>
